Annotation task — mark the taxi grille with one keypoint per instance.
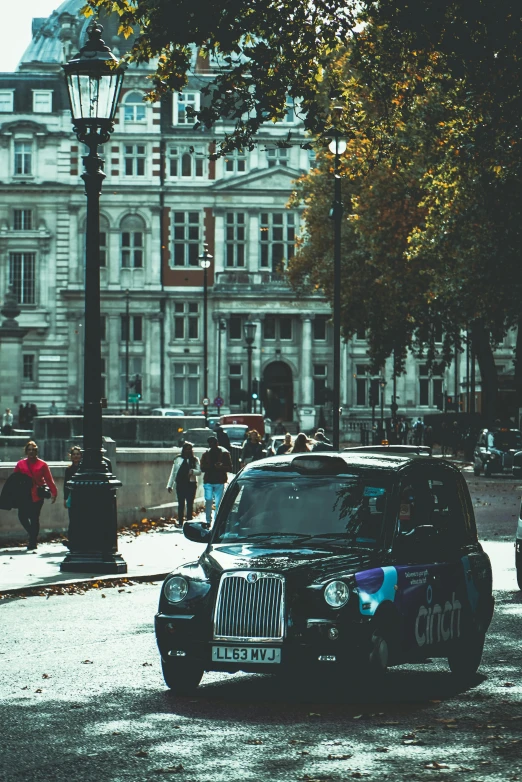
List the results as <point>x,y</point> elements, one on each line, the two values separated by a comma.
<point>250,606</point>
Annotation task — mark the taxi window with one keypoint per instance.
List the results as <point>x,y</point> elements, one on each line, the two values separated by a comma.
<point>433,499</point>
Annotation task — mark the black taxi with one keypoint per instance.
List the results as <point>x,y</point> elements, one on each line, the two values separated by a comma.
<point>353,561</point>
<point>495,451</point>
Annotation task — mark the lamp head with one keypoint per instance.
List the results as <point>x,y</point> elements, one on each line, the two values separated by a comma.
<point>249,330</point>
<point>205,259</point>
<point>94,81</point>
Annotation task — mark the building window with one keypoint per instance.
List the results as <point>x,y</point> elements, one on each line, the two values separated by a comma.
<point>134,107</point>
<point>23,220</point>
<point>361,385</point>
<point>277,238</point>
<point>186,384</point>
<point>235,324</point>
<point>235,239</point>
<point>132,242</point>
<point>319,327</point>
<point>134,159</point>
<point>235,382</point>
<point>277,157</point>
<point>103,328</point>
<point>235,162</point>
<point>187,162</point>
<point>285,328</point>
<point>29,368</point>
<point>23,158</point>
<point>103,378</point>
<point>42,101</point>
<point>360,334</point>
<point>431,386</point>
<point>269,327</point>
<point>320,384</point>
<point>22,277</point>
<point>187,238</point>
<point>136,328</point>
<point>182,101</point>
<point>186,320</point>
<point>135,368</point>
<point>6,101</point>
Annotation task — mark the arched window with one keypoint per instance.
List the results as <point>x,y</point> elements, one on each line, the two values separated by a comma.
<point>132,242</point>
<point>134,107</point>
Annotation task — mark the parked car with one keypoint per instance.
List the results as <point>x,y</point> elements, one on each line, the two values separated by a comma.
<point>250,420</point>
<point>198,437</point>
<point>495,450</point>
<point>352,562</point>
<point>166,411</point>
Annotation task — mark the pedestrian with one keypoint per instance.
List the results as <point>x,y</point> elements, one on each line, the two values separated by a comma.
<point>7,421</point>
<point>28,421</point>
<point>279,428</point>
<point>444,436</point>
<point>75,455</point>
<point>301,444</point>
<point>53,410</point>
<point>428,436</point>
<point>286,445</point>
<point>418,431</point>
<point>185,469</point>
<point>21,416</point>
<point>321,444</point>
<point>320,430</point>
<point>252,448</point>
<point>42,487</point>
<point>216,464</point>
<point>222,437</point>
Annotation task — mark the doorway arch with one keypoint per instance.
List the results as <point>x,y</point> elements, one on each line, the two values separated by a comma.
<point>278,391</point>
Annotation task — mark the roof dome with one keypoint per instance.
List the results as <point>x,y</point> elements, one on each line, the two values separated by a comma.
<point>58,37</point>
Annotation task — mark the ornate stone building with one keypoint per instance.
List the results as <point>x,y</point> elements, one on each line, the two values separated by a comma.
<point>162,200</point>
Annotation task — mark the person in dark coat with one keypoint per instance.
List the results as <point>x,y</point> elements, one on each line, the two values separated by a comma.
<point>215,464</point>
<point>321,444</point>
<point>285,446</point>
<point>252,449</point>
<point>223,438</point>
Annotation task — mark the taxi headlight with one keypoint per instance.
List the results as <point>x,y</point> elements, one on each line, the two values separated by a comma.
<point>337,594</point>
<point>176,589</point>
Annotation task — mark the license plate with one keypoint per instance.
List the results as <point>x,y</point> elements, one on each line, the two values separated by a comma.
<point>245,654</point>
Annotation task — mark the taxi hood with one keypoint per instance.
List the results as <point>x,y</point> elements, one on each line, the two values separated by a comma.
<point>297,564</point>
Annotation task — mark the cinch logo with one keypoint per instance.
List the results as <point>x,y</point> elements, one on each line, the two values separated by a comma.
<point>434,624</point>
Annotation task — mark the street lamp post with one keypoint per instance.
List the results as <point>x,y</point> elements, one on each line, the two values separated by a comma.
<point>94,82</point>
<point>127,339</point>
<point>249,330</point>
<point>382,383</point>
<point>222,326</point>
<point>337,146</point>
<point>205,259</point>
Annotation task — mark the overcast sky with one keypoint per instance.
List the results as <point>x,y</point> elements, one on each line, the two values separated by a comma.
<point>16,27</point>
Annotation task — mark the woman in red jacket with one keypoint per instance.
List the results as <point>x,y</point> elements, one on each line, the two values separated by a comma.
<point>39,472</point>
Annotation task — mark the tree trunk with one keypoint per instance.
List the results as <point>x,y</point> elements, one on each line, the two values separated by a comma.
<point>518,365</point>
<point>488,371</point>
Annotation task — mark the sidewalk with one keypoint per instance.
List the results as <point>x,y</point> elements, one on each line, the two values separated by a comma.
<point>149,557</point>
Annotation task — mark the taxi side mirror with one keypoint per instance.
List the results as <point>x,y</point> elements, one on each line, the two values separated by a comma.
<point>196,531</point>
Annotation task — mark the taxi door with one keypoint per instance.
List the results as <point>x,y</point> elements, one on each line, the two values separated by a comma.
<point>431,590</point>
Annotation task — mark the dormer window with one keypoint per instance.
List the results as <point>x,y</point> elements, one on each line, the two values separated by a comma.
<point>134,107</point>
<point>42,101</point>
<point>182,101</point>
<point>277,156</point>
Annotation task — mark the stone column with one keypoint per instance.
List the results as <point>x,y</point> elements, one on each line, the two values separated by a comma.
<point>306,371</point>
<point>11,338</point>
<point>152,352</point>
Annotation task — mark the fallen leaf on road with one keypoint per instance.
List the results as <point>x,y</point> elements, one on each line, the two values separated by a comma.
<point>25,688</point>
<point>253,741</point>
<point>322,778</point>
<point>357,717</point>
<point>147,665</point>
<point>435,765</point>
<point>339,757</point>
<point>290,741</point>
<point>45,676</point>
<point>507,684</point>
<point>38,690</point>
<point>104,595</point>
<point>141,753</point>
<point>314,714</point>
<point>86,662</point>
<point>382,749</point>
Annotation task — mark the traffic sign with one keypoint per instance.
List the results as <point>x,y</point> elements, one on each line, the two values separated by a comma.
<point>206,401</point>
<point>133,398</point>
<point>218,402</point>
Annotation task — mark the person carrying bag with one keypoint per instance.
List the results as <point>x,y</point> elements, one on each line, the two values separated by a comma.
<point>43,487</point>
<point>184,473</point>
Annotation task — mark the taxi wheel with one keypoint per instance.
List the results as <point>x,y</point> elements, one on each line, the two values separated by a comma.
<point>181,676</point>
<point>378,658</point>
<point>465,657</point>
<point>519,570</point>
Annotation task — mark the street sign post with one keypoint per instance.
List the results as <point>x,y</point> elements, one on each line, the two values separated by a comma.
<point>218,402</point>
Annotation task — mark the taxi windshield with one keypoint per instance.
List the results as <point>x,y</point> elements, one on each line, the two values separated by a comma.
<point>345,508</point>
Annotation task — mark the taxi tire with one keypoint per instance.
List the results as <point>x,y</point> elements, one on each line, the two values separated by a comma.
<point>465,657</point>
<point>476,471</point>
<point>518,562</point>
<point>376,663</point>
<point>181,676</point>
<point>488,472</point>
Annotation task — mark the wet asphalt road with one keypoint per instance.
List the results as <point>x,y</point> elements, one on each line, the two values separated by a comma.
<point>82,698</point>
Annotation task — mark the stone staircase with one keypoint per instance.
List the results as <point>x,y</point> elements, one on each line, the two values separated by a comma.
<point>292,427</point>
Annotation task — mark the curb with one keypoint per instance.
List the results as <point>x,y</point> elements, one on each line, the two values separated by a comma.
<point>86,583</point>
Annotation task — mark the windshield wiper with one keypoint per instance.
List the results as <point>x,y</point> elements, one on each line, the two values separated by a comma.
<point>277,535</point>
